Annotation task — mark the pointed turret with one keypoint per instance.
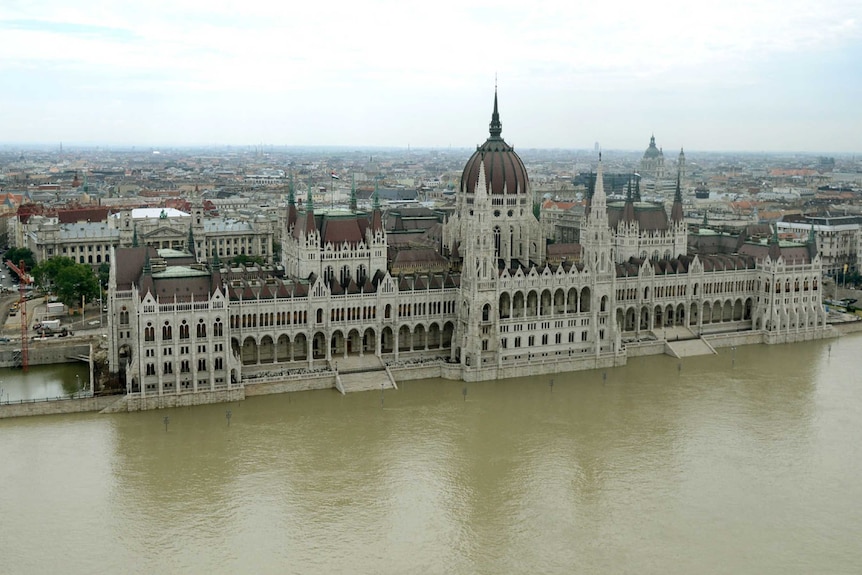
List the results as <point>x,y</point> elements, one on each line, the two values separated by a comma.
<point>135,236</point>
<point>676,211</point>
<point>352,192</point>
<point>291,203</point>
<point>599,199</point>
<point>215,268</point>
<point>146,281</point>
<point>774,246</point>
<point>812,243</point>
<point>376,214</point>
<point>705,218</point>
<point>629,208</point>
<point>310,226</point>
<point>191,246</point>
<point>638,188</point>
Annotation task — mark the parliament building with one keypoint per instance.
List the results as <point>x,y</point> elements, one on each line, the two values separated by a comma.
<point>492,304</point>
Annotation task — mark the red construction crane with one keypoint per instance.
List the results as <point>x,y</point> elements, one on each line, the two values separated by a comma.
<point>25,279</point>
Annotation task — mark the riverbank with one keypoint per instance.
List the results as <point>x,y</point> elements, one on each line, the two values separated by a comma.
<point>410,369</point>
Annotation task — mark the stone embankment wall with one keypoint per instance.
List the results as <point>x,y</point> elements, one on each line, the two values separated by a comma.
<point>306,383</point>
<point>138,403</point>
<point>43,354</point>
<point>56,406</point>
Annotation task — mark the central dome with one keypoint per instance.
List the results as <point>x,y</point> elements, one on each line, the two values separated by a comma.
<point>504,170</point>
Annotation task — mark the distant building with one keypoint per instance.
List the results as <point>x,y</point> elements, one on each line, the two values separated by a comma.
<point>838,239</point>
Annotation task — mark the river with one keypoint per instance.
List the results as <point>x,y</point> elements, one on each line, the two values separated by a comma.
<point>743,462</point>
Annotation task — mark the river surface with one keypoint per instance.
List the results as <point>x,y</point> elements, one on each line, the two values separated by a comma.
<point>744,462</point>
<point>52,381</point>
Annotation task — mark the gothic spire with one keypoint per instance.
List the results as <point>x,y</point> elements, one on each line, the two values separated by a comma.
<point>496,128</point>
<point>310,226</point>
<point>352,191</point>
<point>376,198</point>
<point>676,212</point>
<point>376,214</point>
<point>629,208</point>
<point>599,200</point>
<point>774,246</point>
<point>291,194</point>
<point>191,246</point>
<point>135,236</point>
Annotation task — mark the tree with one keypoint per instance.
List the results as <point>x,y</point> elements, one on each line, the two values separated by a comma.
<point>46,272</point>
<point>15,255</point>
<point>245,259</point>
<point>75,282</point>
<point>104,275</point>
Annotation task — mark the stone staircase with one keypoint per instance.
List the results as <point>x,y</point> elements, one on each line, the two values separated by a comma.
<point>688,348</point>
<point>366,373</point>
<point>680,341</point>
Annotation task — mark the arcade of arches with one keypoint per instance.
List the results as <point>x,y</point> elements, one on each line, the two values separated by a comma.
<point>282,348</point>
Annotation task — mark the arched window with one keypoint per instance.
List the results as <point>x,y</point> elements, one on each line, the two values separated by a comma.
<point>184,330</point>
<point>167,332</point>
<point>201,330</point>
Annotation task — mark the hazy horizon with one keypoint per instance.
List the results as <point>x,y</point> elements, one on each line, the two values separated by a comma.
<point>775,76</point>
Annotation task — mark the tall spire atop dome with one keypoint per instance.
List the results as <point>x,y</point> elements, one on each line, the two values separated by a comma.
<point>496,127</point>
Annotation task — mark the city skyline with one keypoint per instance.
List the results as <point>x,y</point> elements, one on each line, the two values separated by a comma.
<point>764,76</point>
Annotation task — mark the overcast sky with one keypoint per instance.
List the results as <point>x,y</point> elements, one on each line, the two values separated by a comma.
<point>704,74</point>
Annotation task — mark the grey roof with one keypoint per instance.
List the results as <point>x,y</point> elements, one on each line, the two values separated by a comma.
<point>88,230</point>
<point>222,225</point>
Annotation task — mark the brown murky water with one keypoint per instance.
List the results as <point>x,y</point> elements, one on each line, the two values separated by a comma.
<point>744,462</point>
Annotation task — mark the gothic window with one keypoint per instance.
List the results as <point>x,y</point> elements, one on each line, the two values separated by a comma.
<point>149,332</point>
<point>167,331</point>
<point>184,330</point>
<point>201,330</point>
<point>218,329</point>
